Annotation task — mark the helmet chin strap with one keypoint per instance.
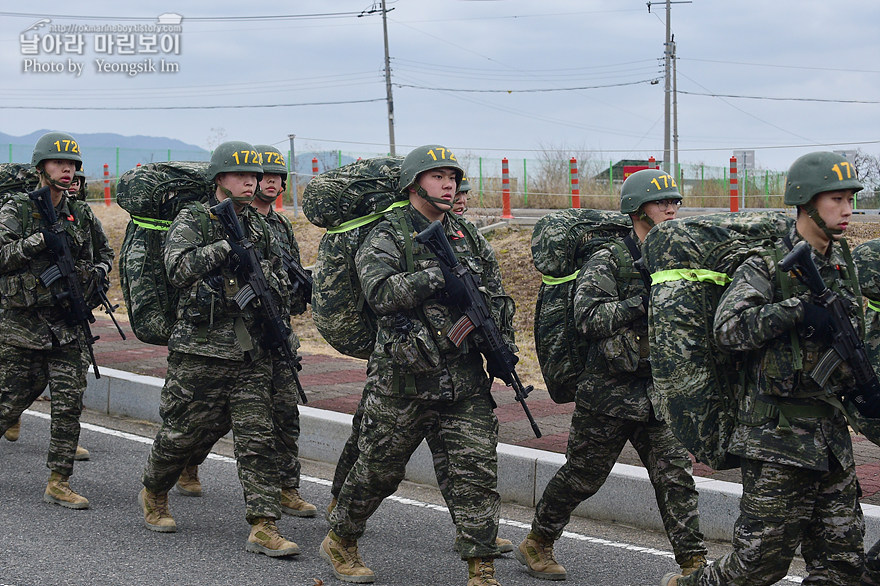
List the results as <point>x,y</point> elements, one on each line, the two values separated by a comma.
<point>53,182</point>
<point>436,202</point>
<point>264,197</point>
<point>242,201</point>
<point>814,215</point>
<point>645,218</point>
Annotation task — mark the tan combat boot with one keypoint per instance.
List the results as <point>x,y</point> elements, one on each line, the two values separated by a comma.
<point>537,556</point>
<point>330,508</point>
<point>266,539</point>
<point>157,515</point>
<point>188,484</point>
<point>293,504</point>
<point>670,579</point>
<point>504,545</point>
<point>13,432</point>
<point>58,492</point>
<point>345,559</point>
<point>481,572</point>
<point>693,564</point>
<point>81,454</point>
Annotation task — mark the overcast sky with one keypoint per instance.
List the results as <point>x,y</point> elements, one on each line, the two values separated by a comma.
<point>488,77</point>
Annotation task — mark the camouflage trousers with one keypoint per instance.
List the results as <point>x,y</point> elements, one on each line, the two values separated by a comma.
<point>285,417</point>
<point>594,443</point>
<point>872,567</point>
<point>782,507</point>
<point>203,396</point>
<point>24,376</point>
<point>391,430</point>
<point>350,453</point>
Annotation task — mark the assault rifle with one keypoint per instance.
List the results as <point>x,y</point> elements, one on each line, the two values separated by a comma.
<point>300,278</point>
<point>846,346</point>
<point>477,316</point>
<point>257,287</point>
<point>78,312</point>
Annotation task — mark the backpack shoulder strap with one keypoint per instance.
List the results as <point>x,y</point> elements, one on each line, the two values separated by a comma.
<point>637,263</point>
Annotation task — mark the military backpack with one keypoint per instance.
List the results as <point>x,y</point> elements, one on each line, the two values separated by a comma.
<point>153,194</point>
<point>562,242</point>
<point>349,201</point>
<point>17,178</point>
<point>698,385</point>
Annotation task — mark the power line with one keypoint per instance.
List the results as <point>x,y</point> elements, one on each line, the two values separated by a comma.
<point>835,69</point>
<point>525,91</point>
<point>69,107</point>
<point>188,18</point>
<point>825,100</point>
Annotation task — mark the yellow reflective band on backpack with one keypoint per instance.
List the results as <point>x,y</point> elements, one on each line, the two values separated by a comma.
<point>696,275</point>
<point>364,220</point>
<point>875,305</point>
<point>151,223</point>
<point>548,280</point>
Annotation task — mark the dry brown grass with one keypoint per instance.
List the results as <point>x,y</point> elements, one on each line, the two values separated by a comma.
<point>512,246</point>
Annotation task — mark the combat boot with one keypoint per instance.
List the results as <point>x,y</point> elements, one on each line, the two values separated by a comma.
<point>537,556</point>
<point>266,539</point>
<point>13,432</point>
<point>345,559</point>
<point>293,504</point>
<point>481,572</point>
<point>58,492</point>
<point>670,579</point>
<point>504,545</point>
<point>188,484</point>
<point>81,454</point>
<point>693,564</point>
<point>330,508</point>
<point>157,515</point>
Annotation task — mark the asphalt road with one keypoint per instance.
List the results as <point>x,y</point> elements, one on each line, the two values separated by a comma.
<point>408,541</point>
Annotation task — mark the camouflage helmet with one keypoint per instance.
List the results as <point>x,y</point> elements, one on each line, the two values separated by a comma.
<point>273,160</point>
<point>644,186</point>
<point>80,173</point>
<point>425,158</point>
<point>465,185</point>
<point>816,173</point>
<point>56,145</point>
<point>235,156</point>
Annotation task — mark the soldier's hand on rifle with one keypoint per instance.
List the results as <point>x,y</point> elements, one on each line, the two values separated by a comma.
<point>817,323</point>
<point>496,368</point>
<point>456,292</point>
<point>236,254</point>
<point>53,241</point>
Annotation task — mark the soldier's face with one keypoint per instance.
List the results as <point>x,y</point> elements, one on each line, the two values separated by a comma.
<point>74,185</point>
<point>60,170</point>
<point>440,183</point>
<point>835,208</point>
<point>241,185</point>
<point>271,185</point>
<point>660,211</point>
<point>460,205</point>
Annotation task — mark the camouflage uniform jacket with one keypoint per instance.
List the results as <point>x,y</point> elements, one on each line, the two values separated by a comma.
<point>209,322</point>
<point>413,355</point>
<point>282,230</point>
<point>866,257</point>
<point>30,317</point>
<point>608,310</point>
<point>754,316</point>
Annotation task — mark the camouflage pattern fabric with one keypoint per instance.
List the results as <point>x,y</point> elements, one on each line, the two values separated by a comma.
<point>561,242</point>
<point>201,396</point>
<point>695,383</point>
<point>352,191</point>
<point>799,479</point>
<point>282,229</point>
<point>418,379</point>
<point>160,190</point>
<point>780,506</point>
<point>866,257</point>
<point>612,406</point>
<point>17,178</point>
<point>153,194</point>
<point>594,443</point>
<point>23,378</point>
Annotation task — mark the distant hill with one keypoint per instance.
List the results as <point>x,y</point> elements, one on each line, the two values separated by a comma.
<point>121,153</point>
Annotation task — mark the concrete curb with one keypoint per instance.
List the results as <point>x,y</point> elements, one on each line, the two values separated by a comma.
<point>627,496</point>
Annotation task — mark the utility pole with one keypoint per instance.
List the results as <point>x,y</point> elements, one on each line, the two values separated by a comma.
<point>388,96</point>
<point>668,90</point>
<point>675,167</point>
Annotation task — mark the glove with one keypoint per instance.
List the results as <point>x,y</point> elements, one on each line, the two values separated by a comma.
<point>817,323</point>
<point>496,368</point>
<point>237,254</point>
<point>53,241</point>
<point>101,279</point>
<point>214,281</point>
<point>455,291</point>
